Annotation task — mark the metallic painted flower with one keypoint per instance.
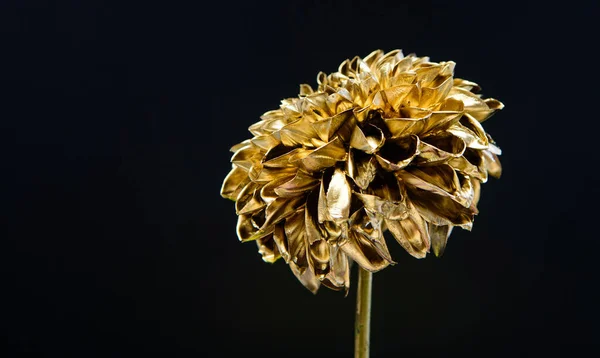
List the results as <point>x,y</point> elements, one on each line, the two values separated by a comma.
<point>388,142</point>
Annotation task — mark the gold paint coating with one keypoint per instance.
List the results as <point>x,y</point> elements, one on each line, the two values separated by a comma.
<point>387,143</point>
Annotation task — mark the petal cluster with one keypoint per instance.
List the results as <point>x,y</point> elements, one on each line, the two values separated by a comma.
<point>387,143</point>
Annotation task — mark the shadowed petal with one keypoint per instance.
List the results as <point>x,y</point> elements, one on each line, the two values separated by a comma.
<point>252,204</point>
<point>280,209</point>
<point>319,256</point>
<point>263,175</point>
<point>267,193</point>
<point>440,179</point>
<point>313,229</point>
<point>323,157</point>
<point>361,168</point>
<point>281,241</point>
<point>439,149</point>
<point>361,250</point>
<point>439,237</point>
<point>279,157</point>
<point>399,153</point>
<point>368,139</point>
<point>299,185</point>
<point>441,210</point>
<point>296,238</point>
<point>306,277</point>
<point>247,232</point>
<point>411,233</point>
<point>268,249</point>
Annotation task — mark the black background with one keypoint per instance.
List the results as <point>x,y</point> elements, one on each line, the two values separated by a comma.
<point>116,124</point>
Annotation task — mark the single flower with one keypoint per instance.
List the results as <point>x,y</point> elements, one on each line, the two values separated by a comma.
<point>387,143</point>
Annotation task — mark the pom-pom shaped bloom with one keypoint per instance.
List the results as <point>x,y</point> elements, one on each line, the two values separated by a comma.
<point>387,143</point>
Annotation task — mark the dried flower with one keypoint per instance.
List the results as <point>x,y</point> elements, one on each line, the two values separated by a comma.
<point>388,142</point>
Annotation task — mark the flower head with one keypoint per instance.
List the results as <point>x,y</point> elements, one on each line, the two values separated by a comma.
<point>387,143</point>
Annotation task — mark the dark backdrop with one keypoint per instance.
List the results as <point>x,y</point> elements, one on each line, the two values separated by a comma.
<point>116,124</point>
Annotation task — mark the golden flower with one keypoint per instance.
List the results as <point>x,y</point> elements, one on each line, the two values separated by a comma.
<point>387,143</point>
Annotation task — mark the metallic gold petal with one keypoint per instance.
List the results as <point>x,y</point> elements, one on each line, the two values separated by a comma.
<point>493,106</point>
<point>361,168</point>
<point>471,128</point>
<point>251,205</point>
<point>305,89</point>
<point>440,179</point>
<point>296,133</point>
<point>373,57</point>
<point>318,257</point>
<point>279,157</point>
<point>323,157</point>
<point>247,156</point>
<point>339,273</point>
<point>471,101</point>
<point>369,225</point>
<point>261,174</point>
<point>268,249</point>
<point>467,85</point>
<point>322,207</point>
<point>332,230</point>
<point>492,163</point>
<point>296,237</point>
<point>493,147</point>
<point>299,185</point>
<point>430,96</point>
<point>464,166</point>
<point>411,233</point>
<point>426,74</point>
<point>412,121</point>
<point>247,232</point>
<point>245,196</point>
<point>388,209</point>
<point>391,99</point>
<point>476,191</point>
<point>439,237</point>
<point>368,142</point>
<point>267,192</point>
<point>281,241</point>
<point>340,124</point>
<point>280,209</point>
<point>397,154</point>
<point>439,149</point>
<point>338,196</point>
<point>265,142</point>
<point>241,145</point>
<point>361,250</point>
<point>441,210</point>
<point>234,182</point>
<point>313,230</point>
<point>306,277</point>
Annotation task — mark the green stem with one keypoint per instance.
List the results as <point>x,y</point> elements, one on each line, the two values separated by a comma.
<point>363,314</point>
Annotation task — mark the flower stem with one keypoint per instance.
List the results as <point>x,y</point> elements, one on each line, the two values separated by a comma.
<point>362,324</point>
